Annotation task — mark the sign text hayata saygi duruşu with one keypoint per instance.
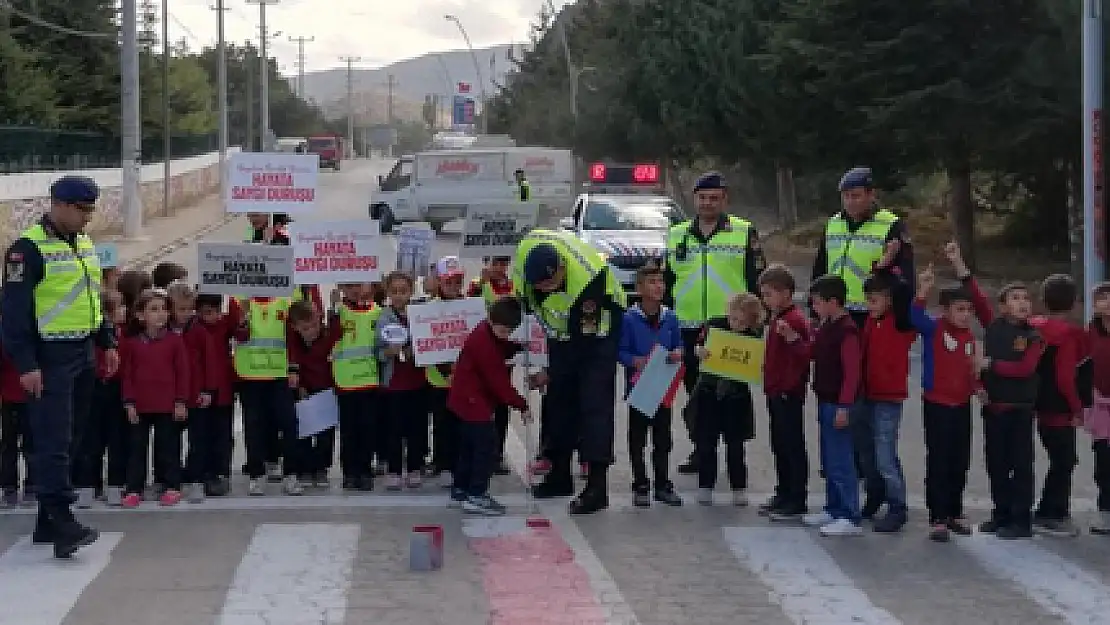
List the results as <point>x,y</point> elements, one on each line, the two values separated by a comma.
<point>273,187</point>
<point>336,256</point>
<point>447,334</point>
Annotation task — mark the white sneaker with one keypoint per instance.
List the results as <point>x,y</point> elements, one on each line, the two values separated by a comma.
<point>705,496</point>
<point>841,527</point>
<point>393,482</point>
<point>1101,526</point>
<point>257,487</point>
<point>113,496</point>
<point>292,486</point>
<point>196,492</point>
<point>817,519</point>
<point>85,498</point>
<point>739,497</point>
<point>446,480</point>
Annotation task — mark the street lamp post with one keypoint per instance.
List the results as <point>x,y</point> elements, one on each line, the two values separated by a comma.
<point>264,71</point>
<point>477,68</point>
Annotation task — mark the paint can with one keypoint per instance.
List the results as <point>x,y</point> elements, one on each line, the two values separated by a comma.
<point>426,548</point>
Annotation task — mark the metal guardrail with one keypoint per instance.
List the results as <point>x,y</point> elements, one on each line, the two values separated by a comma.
<point>31,148</point>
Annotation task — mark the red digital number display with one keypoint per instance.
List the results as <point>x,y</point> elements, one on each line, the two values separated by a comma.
<point>597,172</point>
<point>645,174</point>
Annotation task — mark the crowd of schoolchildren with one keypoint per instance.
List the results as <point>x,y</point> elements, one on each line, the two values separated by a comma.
<point>1032,375</point>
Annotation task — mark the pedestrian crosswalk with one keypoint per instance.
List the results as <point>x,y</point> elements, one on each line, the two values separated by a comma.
<point>350,567</point>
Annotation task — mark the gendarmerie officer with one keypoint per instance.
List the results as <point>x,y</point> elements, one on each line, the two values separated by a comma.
<point>51,318</point>
<point>576,299</point>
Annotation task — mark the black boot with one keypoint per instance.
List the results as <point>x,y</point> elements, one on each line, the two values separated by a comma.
<point>69,535</point>
<point>557,483</point>
<point>595,496</point>
<point>44,528</point>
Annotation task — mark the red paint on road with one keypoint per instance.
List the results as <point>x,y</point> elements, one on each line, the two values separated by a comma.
<point>531,578</point>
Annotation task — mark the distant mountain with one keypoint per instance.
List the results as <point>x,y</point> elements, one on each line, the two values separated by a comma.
<point>413,79</point>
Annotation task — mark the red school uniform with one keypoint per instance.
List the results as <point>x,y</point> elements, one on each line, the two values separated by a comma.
<point>223,369</point>
<point>406,375</point>
<point>1058,403</point>
<point>786,365</point>
<point>154,372</point>
<point>11,392</point>
<point>886,343</point>
<point>481,381</point>
<point>312,362</point>
<point>203,356</point>
<point>1098,341</point>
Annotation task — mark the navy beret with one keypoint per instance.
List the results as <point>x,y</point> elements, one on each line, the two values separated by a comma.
<point>541,263</point>
<point>74,190</point>
<point>710,180</point>
<point>857,178</point>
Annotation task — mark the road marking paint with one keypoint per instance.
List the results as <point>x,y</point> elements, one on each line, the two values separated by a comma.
<point>531,573</point>
<point>803,578</point>
<point>293,573</point>
<point>604,586</point>
<point>1060,587</point>
<point>37,589</point>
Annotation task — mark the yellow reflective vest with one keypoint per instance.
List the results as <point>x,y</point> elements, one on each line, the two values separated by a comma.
<point>851,254</point>
<point>353,362</point>
<point>583,263</point>
<point>67,299</point>
<point>706,275</point>
<point>263,356</point>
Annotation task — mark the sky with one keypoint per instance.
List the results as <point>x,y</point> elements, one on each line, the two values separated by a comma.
<point>378,31</point>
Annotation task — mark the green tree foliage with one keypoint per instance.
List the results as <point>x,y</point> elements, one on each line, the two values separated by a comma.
<point>817,86</point>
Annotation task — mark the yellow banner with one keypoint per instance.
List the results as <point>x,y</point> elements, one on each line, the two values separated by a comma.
<point>734,356</point>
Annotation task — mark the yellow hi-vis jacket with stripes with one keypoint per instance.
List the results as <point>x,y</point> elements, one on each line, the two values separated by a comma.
<point>583,263</point>
<point>851,254</point>
<point>354,365</point>
<point>67,299</point>
<point>263,356</point>
<point>706,275</point>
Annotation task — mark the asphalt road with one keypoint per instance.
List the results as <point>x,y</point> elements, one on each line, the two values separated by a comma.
<point>332,558</point>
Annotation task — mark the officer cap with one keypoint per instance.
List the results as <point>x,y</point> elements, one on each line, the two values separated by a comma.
<point>710,180</point>
<point>74,190</point>
<point>857,178</point>
<point>541,264</point>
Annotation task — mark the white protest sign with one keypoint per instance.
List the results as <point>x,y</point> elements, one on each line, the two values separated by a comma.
<point>272,182</point>
<point>245,269</point>
<point>536,355</point>
<point>495,228</point>
<point>395,334</point>
<point>439,328</point>
<point>337,252</point>
<point>414,248</point>
<point>317,413</point>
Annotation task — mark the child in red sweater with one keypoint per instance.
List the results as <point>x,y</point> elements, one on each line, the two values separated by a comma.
<point>1097,417</point>
<point>785,376</point>
<point>201,463</point>
<point>482,383</point>
<point>154,376</point>
<point>949,379</point>
<point>404,386</point>
<point>886,339</point>
<point>15,435</point>
<point>107,434</point>
<point>1058,408</point>
<point>221,328</point>
<point>309,348</point>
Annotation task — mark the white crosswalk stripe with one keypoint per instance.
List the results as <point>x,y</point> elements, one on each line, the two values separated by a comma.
<point>354,571</point>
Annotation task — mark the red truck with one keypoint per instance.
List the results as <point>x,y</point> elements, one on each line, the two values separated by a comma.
<point>330,149</point>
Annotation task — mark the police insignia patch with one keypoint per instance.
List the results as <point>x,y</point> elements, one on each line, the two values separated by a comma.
<point>14,272</point>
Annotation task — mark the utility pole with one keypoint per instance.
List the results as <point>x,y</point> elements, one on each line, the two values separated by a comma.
<point>1094,198</point>
<point>166,147</point>
<point>221,72</point>
<point>131,113</point>
<point>350,61</point>
<point>250,106</point>
<point>264,73</point>
<point>391,83</point>
<point>300,41</point>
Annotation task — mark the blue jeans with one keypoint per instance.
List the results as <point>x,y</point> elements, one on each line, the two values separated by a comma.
<point>886,418</point>
<point>841,480</point>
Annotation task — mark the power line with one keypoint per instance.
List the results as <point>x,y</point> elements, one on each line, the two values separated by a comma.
<point>65,30</point>
<point>185,28</point>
